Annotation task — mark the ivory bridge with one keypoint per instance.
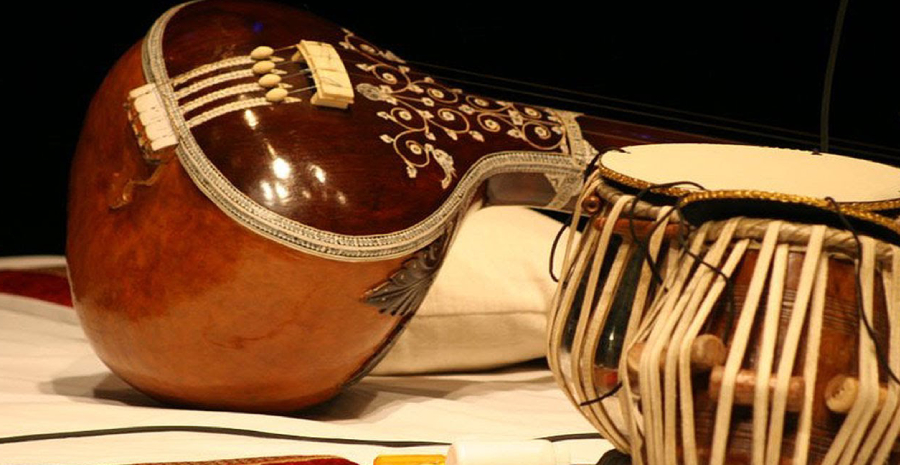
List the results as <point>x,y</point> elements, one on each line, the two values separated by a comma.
<point>332,84</point>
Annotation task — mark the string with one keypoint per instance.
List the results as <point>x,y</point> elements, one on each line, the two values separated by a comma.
<point>683,230</point>
<point>301,90</point>
<point>614,99</point>
<point>571,92</point>
<point>793,140</point>
<point>730,302</point>
<point>870,330</point>
<point>803,143</point>
<point>605,97</point>
<point>829,74</point>
<point>580,102</point>
<point>595,96</point>
<point>644,248</point>
<point>553,249</point>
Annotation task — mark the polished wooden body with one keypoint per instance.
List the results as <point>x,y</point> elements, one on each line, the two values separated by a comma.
<point>190,306</point>
<point>839,356</point>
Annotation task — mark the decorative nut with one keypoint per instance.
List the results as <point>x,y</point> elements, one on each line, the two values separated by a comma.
<point>591,204</point>
<point>842,391</point>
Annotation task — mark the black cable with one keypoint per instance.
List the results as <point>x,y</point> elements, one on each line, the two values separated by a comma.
<point>254,434</point>
<point>585,175</point>
<point>730,304</point>
<point>825,115</point>
<point>605,396</point>
<point>645,246</point>
<point>879,352</point>
<point>553,250</point>
<point>730,301</point>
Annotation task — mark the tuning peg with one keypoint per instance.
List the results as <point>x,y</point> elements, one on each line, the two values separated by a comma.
<point>269,80</point>
<point>261,53</point>
<point>276,95</point>
<point>263,67</point>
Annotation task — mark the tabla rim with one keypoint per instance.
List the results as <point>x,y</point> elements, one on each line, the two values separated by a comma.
<point>866,222</point>
<point>678,192</point>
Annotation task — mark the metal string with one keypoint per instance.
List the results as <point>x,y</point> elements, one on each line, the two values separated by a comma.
<point>795,139</point>
<point>798,140</point>
<point>605,97</point>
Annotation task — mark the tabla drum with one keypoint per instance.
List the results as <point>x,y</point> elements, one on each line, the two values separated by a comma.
<point>615,278</point>
<point>774,341</point>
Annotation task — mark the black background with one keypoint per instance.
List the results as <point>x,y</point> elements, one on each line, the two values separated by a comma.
<point>755,67</point>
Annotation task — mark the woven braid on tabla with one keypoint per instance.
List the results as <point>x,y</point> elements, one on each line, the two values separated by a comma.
<point>798,234</point>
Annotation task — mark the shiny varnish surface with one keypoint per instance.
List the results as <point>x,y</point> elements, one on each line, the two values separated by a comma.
<point>192,307</point>
<point>324,167</point>
<point>333,169</point>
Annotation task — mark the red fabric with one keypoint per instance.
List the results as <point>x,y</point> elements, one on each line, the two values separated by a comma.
<point>37,284</point>
<point>287,460</point>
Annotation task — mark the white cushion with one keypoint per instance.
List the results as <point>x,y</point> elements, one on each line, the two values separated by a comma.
<point>488,306</point>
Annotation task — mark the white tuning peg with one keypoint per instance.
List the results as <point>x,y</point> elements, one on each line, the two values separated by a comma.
<point>269,80</point>
<point>263,67</point>
<point>261,53</point>
<point>276,95</point>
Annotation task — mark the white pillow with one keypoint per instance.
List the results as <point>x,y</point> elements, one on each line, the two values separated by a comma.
<point>488,306</point>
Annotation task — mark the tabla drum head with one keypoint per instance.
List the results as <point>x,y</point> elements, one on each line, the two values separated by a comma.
<point>864,184</point>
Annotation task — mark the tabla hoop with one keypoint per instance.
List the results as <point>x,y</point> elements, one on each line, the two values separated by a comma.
<point>862,184</point>
<point>704,206</point>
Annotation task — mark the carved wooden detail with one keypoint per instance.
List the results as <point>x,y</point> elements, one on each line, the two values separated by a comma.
<point>403,293</point>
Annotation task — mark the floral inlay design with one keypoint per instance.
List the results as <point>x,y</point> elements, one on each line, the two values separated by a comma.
<point>403,292</point>
<point>429,114</point>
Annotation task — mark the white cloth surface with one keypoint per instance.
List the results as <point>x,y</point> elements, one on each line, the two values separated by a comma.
<point>50,381</point>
